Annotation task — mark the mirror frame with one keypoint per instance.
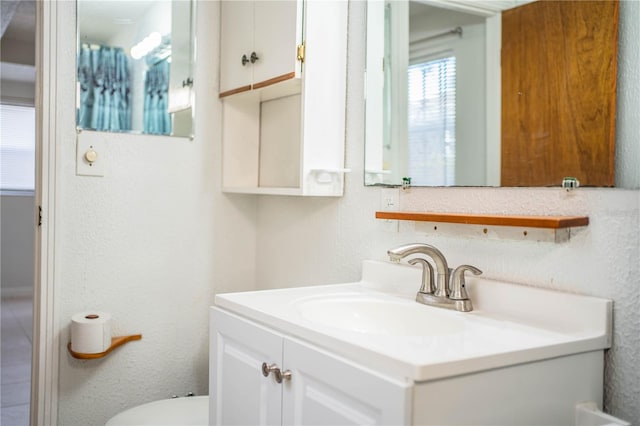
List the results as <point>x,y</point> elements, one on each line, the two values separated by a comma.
<point>624,176</point>
<point>190,81</point>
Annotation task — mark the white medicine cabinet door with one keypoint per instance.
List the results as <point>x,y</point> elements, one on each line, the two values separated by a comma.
<point>240,394</point>
<point>278,31</point>
<point>325,389</point>
<point>266,34</point>
<point>236,40</point>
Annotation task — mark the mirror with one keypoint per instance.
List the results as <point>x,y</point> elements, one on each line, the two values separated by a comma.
<point>433,73</point>
<point>135,66</point>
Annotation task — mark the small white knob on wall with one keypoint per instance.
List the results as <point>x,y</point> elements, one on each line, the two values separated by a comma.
<point>91,154</point>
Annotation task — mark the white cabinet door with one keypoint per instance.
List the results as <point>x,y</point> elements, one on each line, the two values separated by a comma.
<point>277,34</point>
<point>236,39</point>
<point>240,394</point>
<point>325,389</point>
<point>269,29</point>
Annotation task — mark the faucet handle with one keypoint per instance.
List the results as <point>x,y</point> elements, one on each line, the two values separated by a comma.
<point>458,291</point>
<point>427,275</point>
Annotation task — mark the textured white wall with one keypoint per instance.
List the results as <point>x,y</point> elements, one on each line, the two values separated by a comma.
<point>150,242</point>
<point>316,241</point>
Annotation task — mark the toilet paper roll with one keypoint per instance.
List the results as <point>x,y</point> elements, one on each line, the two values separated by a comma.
<point>90,332</point>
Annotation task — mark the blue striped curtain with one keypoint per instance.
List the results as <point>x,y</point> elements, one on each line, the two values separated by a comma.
<point>157,119</point>
<point>105,86</point>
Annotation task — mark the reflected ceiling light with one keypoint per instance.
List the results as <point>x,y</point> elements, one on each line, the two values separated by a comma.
<point>145,46</point>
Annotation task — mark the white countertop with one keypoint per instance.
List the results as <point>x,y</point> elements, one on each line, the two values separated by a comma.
<point>510,323</point>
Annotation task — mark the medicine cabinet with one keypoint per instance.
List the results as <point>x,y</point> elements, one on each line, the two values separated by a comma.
<point>283,91</point>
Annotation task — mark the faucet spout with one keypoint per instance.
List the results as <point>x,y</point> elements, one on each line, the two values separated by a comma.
<point>455,297</point>
<point>442,269</point>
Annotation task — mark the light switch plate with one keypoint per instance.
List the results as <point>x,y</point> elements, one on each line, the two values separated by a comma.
<point>95,144</point>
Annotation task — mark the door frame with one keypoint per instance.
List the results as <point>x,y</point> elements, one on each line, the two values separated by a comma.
<point>492,13</point>
<point>46,339</point>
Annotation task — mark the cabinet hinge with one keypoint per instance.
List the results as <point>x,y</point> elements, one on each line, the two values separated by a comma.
<point>300,56</point>
<point>39,215</point>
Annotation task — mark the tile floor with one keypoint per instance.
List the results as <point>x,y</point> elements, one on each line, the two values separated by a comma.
<point>15,348</point>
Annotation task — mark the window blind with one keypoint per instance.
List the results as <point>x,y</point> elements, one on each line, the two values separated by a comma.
<point>17,147</point>
<point>432,122</point>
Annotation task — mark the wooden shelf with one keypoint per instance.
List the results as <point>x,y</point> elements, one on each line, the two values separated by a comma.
<point>115,343</point>
<point>546,222</point>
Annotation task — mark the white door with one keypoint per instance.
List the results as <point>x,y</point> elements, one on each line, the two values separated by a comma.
<point>240,393</point>
<point>236,40</point>
<point>325,389</point>
<point>277,33</point>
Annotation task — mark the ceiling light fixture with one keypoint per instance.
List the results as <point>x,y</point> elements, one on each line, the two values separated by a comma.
<point>145,46</point>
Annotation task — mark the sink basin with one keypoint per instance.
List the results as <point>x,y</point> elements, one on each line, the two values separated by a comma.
<point>379,316</point>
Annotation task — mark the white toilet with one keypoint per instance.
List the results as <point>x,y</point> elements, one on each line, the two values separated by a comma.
<point>190,411</point>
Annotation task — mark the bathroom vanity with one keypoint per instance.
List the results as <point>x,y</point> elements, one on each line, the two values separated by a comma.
<point>367,353</point>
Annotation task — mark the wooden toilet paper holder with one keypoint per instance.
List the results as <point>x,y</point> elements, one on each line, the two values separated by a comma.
<point>115,343</point>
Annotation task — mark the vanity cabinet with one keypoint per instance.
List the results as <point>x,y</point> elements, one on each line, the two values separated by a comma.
<point>319,388</point>
<point>283,115</point>
<point>325,383</point>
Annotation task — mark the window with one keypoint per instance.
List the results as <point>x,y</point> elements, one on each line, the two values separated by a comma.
<point>432,122</point>
<point>17,148</point>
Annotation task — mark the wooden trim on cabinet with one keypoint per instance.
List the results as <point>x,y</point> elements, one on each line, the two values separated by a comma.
<point>235,91</point>
<point>274,80</point>
<point>259,85</point>
<point>549,222</point>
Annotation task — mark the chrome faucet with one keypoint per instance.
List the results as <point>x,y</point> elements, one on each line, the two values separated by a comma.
<point>442,269</point>
<point>449,291</point>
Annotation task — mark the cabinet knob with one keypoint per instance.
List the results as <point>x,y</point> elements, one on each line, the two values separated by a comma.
<point>282,375</point>
<point>254,57</point>
<point>268,368</point>
<point>277,373</point>
<point>245,60</point>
